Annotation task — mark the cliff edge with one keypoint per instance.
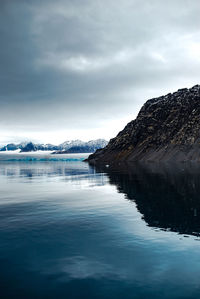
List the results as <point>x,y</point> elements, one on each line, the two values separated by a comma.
<point>167,128</point>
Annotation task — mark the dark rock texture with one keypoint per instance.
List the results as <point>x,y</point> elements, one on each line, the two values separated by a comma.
<point>166,129</point>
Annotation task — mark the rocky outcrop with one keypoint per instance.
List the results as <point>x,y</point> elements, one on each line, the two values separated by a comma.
<point>166,129</point>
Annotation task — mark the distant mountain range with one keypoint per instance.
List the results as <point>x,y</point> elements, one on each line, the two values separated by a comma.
<point>70,146</point>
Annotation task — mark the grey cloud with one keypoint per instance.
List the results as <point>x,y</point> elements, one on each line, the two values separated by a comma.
<point>69,62</point>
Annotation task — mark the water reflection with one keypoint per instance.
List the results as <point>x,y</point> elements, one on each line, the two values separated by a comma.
<point>166,195</point>
<point>35,169</point>
<point>66,232</point>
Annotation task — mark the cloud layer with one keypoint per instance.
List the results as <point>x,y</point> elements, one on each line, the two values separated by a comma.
<point>84,68</point>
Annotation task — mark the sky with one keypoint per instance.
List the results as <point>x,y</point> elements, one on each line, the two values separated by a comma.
<point>82,69</point>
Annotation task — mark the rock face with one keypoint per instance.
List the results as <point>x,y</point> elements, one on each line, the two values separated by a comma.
<point>166,129</point>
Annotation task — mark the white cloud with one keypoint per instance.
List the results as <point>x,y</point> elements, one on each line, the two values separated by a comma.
<point>82,63</point>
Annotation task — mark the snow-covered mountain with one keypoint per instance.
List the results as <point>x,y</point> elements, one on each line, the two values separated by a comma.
<point>69,145</point>
<point>78,146</point>
<point>13,146</point>
<point>98,143</point>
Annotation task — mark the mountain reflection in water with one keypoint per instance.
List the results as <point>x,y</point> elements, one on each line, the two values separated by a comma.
<point>71,230</point>
<point>166,195</point>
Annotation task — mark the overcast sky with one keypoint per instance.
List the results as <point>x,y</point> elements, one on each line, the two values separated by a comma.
<point>83,68</point>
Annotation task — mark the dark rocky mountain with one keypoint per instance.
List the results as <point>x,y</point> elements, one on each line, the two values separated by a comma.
<point>167,128</point>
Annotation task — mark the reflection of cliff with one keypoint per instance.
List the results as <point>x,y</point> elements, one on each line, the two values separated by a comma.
<point>167,196</point>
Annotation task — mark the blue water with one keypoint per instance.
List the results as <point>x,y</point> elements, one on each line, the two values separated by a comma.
<point>69,230</point>
<point>35,156</point>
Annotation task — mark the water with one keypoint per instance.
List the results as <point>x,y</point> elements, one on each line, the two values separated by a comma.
<point>69,230</point>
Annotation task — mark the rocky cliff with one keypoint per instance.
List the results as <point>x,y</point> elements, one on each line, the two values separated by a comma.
<point>166,129</point>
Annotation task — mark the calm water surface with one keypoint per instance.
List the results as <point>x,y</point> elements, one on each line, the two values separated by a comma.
<point>69,230</point>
